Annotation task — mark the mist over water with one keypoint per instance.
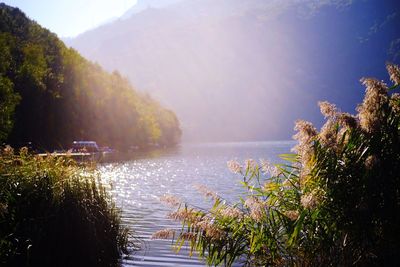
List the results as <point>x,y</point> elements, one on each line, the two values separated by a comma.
<point>137,186</point>
<point>238,70</point>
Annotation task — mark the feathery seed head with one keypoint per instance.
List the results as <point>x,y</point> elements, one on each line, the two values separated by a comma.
<point>250,164</point>
<point>234,166</point>
<point>265,165</point>
<point>375,85</point>
<point>164,234</point>
<point>230,212</point>
<point>188,236</point>
<point>209,228</point>
<point>257,208</point>
<point>305,131</point>
<point>369,112</point>
<point>327,109</point>
<point>214,232</point>
<point>171,200</point>
<point>184,214</point>
<point>342,134</point>
<point>8,150</point>
<point>311,200</point>
<point>203,224</point>
<point>395,103</point>
<point>292,214</point>
<point>268,168</point>
<point>394,73</point>
<point>347,120</point>
<point>23,150</point>
<point>207,192</point>
<point>328,134</point>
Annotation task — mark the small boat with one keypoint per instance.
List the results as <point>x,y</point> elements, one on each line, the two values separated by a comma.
<point>81,151</point>
<point>85,151</point>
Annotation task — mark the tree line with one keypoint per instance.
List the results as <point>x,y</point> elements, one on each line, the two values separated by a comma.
<point>50,95</point>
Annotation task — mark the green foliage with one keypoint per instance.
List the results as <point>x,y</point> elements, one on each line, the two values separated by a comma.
<point>56,213</point>
<point>8,101</point>
<point>52,96</point>
<point>335,203</point>
<point>8,98</point>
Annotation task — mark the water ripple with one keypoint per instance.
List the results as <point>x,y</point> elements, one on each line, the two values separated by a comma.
<point>137,185</point>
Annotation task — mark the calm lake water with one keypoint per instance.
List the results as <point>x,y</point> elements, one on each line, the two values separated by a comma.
<point>136,186</point>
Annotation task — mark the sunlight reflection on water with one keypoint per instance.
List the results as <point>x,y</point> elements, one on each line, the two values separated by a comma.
<point>137,185</point>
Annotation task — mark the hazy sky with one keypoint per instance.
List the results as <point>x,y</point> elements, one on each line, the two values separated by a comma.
<point>69,18</point>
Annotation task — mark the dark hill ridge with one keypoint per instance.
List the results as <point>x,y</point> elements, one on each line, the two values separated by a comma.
<point>50,95</point>
<point>240,70</point>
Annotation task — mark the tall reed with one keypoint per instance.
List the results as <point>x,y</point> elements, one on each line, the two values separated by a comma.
<point>54,212</point>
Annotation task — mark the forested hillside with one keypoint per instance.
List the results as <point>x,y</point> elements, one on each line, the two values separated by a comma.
<point>50,95</point>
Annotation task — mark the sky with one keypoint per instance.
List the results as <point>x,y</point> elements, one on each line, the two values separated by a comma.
<point>68,18</point>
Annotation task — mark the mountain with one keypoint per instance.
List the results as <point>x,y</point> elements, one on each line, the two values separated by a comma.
<point>246,70</point>
<point>142,5</point>
<point>50,95</point>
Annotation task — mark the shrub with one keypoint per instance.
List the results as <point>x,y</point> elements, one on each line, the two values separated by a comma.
<point>335,203</point>
<point>54,212</point>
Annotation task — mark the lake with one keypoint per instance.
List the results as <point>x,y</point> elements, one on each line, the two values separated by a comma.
<point>137,185</point>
